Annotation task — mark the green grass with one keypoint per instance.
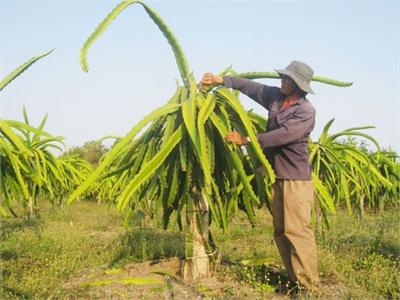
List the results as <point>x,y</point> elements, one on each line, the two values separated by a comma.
<point>37,256</point>
<point>363,254</point>
<point>358,259</point>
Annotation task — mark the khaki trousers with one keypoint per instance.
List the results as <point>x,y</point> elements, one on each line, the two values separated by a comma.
<point>291,210</point>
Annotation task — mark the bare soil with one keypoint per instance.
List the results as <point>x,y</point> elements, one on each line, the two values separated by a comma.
<point>157,280</point>
<point>161,280</point>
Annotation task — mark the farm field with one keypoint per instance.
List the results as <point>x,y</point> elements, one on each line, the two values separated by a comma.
<point>83,251</point>
<point>176,205</point>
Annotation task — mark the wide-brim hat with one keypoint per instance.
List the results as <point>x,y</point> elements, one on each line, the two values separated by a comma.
<point>301,73</point>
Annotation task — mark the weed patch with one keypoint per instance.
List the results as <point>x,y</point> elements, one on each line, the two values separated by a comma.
<point>84,252</point>
<point>148,245</point>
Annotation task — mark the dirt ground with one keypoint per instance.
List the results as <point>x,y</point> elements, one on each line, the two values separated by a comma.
<point>157,280</point>
<point>161,280</point>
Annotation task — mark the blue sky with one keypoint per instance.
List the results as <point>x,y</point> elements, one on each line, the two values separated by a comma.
<point>133,71</point>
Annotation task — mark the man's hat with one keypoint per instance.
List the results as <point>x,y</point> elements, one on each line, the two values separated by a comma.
<point>301,73</point>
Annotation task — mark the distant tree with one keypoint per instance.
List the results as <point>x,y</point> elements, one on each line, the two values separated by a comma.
<point>91,151</point>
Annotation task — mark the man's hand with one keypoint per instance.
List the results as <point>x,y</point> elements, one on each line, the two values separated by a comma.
<point>237,138</point>
<point>211,79</point>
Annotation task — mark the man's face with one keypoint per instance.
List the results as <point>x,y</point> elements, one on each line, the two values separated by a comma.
<point>287,85</point>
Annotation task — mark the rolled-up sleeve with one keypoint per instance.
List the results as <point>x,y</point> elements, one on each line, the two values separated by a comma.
<point>259,92</point>
<point>300,124</point>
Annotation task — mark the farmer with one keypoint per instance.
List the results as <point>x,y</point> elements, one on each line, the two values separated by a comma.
<point>291,119</point>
